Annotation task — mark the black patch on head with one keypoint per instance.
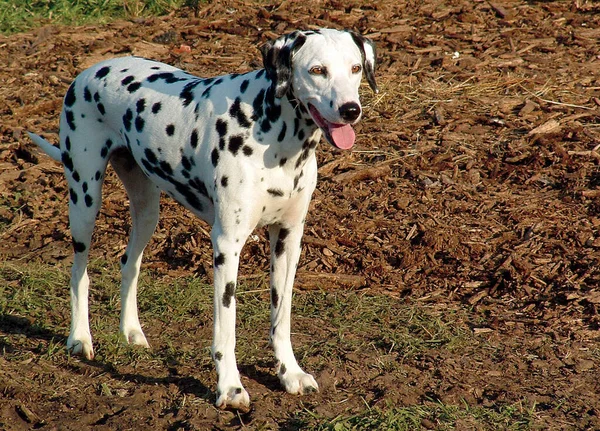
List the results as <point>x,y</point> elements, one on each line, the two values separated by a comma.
<point>66,160</point>
<point>70,119</point>
<point>140,105</point>
<point>70,96</point>
<point>124,259</point>
<point>224,181</point>
<point>73,196</point>
<point>219,259</point>
<point>247,150</point>
<point>101,73</point>
<point>127,118</point>
<point>79,247</point>
<point>170,129</point>
<point>274,297</point>
<point>275,192</point>
<point>237,113</point>
<point>214,157</point>
<point>88,201</point>
<point>280,244</point>
<point>221,127</point>
<point>229,293</point>
<point>194,138</point>
<point>281,135</point>
<point>156,107</point>
<point>235,143</point>
<point>87,96</point>
<point>127,80</point>
<point>244,86</point>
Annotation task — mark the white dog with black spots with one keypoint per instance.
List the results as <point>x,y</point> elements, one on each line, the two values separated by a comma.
<point>236,150</point>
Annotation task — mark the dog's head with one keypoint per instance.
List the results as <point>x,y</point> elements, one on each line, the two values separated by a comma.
<point>323,69</point>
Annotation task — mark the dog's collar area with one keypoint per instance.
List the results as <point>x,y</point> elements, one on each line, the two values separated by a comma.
<point>341,136</point>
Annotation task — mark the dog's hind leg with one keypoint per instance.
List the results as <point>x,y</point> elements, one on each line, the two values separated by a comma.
<point>144,206</point>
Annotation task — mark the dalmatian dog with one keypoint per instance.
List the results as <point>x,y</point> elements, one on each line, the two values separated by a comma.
<point>236,150</point>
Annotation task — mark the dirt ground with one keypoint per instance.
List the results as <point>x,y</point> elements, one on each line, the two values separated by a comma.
<point>474,185</point>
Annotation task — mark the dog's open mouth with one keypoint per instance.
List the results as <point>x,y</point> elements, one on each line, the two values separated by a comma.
<point>340,135</point>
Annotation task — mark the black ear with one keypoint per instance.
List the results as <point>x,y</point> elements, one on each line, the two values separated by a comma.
<point>369,55</point>
<point>277,59</point>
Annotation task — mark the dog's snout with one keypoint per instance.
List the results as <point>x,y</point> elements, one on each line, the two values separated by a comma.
<point>350,111</point>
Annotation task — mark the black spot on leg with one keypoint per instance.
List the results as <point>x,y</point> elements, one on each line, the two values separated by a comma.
<point>219,259</point>
<point>282,369</point>
<point>79,247</point>
<point>218,356</point>
<point>274,297</point>
<point>88,201</point>
<point>280,244</point>
<point>73,196</point>
<point>124,259</point>
<point>224,181</point>
<point>282,161</point>
<point>214,157</point>
<point>67,161</point>
<point>229,293</point>
<point>275,192</point>
<point>194,138</point>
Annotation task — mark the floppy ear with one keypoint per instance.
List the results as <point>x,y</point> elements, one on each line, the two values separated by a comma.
<point>368,54</point>
<point>277,59</point>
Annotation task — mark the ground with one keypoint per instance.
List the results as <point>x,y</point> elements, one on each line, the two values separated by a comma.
<point>449,262</point>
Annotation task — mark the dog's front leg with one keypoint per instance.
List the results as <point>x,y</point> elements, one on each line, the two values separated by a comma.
<point>285,252</point>
<point>230,392</point>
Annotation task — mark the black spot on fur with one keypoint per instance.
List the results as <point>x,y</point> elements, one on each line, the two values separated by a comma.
<point>70,119</point>
<point>124,259</point>
<point>98,175</point>
<point>101,108</point>
<point>224,181</point>
<point>247,150</point>
<point>139,124</point>
<point>151,156</point>
<point>229,294</point>
<point>140,105</point>
<point>70,96</point>
<point>214,157</point>
<point>274,297</point>
<point>280,244</point>
<point>219,259</point>
<point>88,201</point>
<point>127,80</point>
<point>134,86</point>
<point>282,369</point>
<point>301,134</point>
<point>257,105</point>
<point>275,192</point>
<point>101,73</point>
<point>87,96</point>
<point>187,94</point>
<point>194,138</point>
<point>127,118</point>
<point>281,135</point>
<point>186,163</point>
<point>244,86</point>
<point>265,125</point>
<point>96,97</point>
<point>170,129</point>
<point>73,196</point>
<point>67,161</point>
<point>282,161</point>
<point>156,107</point>
<point>236,112</point>
<point>76,176</point>
<point>221,127</point>
<point>218,356</point>
<point>79,247</point>
<point>235,143</point>
<point>68,143</point>
<point>84,186</point>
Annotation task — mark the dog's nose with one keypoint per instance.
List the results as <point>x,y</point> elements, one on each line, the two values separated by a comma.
<point>350,111</point>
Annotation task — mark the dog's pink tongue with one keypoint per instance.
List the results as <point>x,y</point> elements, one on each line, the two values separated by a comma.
<point>342,135</point>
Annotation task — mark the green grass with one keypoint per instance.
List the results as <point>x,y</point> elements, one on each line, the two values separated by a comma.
<point>177,317</point>
<point>18,16</point>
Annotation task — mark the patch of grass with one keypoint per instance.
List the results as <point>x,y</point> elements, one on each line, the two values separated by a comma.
<point>426,416</point>
<point>24,15</point>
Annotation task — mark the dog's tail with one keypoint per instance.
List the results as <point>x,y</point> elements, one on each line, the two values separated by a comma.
<point>48,148</point>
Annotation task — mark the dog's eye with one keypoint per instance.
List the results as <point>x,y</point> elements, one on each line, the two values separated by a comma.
<point>356,68</point>
<point>317,70</point>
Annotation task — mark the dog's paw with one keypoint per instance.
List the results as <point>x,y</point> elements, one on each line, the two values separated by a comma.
<point>136,337</point>
<point>297,382</point>
<point>81,346</point>
<point>233,398</point>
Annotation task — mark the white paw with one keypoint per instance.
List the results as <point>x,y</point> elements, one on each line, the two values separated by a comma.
<point>81,346</point>
<point>233,398</point>
<point>297,382</point>
<point>136,337</point>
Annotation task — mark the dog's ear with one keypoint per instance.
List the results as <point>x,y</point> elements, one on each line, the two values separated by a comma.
<point>368,54</point>
<point>277,58</point>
